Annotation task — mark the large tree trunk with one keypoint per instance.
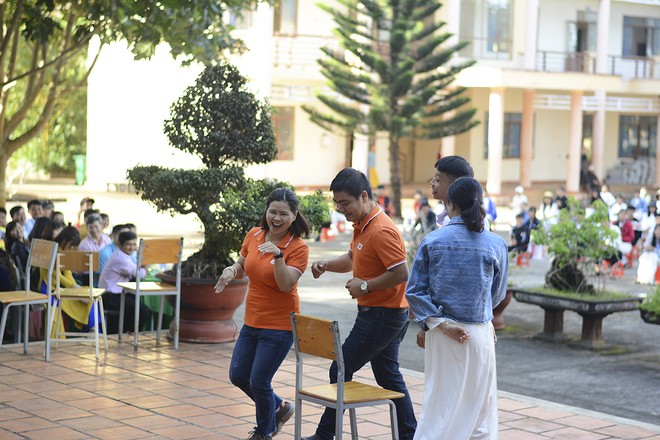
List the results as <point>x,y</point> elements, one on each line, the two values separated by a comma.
<point>3,178</point>
<point>395,176</point>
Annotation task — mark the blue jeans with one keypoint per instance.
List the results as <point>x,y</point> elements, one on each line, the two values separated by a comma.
<point>257,356</point>
<point>375,338</point>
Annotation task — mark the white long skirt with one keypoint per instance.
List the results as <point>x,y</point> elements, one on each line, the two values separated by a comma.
<point>648,263</point>
<point>460,390</point>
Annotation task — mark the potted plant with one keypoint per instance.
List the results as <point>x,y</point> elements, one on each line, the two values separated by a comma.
<point>578,242</point>
<point>650,307</point>
<point>219,120</point>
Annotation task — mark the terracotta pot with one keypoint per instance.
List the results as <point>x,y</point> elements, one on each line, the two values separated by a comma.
<point>498,316</point>
<point>206,316</point>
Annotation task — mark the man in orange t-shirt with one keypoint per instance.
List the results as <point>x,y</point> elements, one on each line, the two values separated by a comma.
<point>377,258</point>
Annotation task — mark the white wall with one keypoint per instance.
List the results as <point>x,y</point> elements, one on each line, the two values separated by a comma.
<point>127,103</point>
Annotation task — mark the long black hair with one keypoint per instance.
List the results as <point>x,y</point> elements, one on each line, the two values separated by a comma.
<point>299,226</point>
<point>466,194</point>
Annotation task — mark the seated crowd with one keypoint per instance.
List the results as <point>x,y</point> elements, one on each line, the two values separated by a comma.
<point>117,255</point>
<point>635,222</point>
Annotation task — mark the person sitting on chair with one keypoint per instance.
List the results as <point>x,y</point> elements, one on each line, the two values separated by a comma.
<point>121,268</point>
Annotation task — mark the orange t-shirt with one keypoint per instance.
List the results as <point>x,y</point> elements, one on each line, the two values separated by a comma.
<point>378,246</point>
<point>266,305</point>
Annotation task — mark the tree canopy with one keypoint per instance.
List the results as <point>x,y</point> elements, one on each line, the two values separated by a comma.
<point>39,39</point>
<point>394,73</point>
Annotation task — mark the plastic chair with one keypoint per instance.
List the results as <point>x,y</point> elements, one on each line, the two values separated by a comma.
<point>618,270</point>
<point>80,261</point>
<point>320,337</point>
<point>42,255</point>
<point>154,251</point>
<point>523,259</point>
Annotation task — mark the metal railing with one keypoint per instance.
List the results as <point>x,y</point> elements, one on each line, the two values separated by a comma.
<point>626,67</point>
<point>300,51</point>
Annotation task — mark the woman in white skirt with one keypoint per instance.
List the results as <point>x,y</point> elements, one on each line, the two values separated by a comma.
<point>458,276</point>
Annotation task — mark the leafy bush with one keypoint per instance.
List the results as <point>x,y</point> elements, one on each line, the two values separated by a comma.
<point>578,243</point>
<point>219,120</point>
<point>652,302</point>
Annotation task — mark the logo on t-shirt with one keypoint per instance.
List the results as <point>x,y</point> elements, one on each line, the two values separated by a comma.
<point>359,246</point>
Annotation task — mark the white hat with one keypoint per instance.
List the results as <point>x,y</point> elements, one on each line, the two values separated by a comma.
<point>519,189</point>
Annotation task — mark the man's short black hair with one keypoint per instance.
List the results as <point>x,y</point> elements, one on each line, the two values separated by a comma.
<point>33,202</point>
<point>351,181</point>
<point>13,211</point>
<point>454,166</point>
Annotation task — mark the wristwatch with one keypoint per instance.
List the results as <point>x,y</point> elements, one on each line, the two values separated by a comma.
<point>365,287</point>
<point>280,255</point>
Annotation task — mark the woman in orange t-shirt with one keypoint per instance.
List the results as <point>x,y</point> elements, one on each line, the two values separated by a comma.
<point>274,256</point>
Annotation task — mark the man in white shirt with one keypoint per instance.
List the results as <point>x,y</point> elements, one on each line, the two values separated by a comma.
<point>36,211</point>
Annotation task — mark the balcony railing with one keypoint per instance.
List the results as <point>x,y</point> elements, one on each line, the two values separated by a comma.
<point>300,51</point>
<point>482,48</point>
<point>626,67</point>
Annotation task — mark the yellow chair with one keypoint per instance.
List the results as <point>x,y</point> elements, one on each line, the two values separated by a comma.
<point>155,251</point>
<point>42,255</point>
<point>320,337</point>
<point>80,261</point>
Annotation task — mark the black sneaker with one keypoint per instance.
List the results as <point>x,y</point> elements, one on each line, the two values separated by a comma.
<point>256,435</point>
<point>282,415</point>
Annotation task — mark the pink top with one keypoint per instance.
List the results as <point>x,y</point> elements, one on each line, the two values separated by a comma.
<point>90,245</point>
<point>119,268</point>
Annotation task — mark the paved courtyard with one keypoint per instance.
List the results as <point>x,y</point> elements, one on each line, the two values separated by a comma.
<point>159,392</point>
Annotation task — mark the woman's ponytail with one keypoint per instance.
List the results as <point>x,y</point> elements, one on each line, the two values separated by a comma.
<point>466,194</point>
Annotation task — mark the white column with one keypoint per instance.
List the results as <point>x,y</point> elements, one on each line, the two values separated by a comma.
<point>531,33</point>
<point>657,154</point>
<point>495,138</point>
<point>257,63</point>
<point>598,148</point>
<point>527,138</point>
<point>452,9</point>
<point>603,31</point>
<point>448,143</point>
<point>574,143</point>
<point>360,153</point>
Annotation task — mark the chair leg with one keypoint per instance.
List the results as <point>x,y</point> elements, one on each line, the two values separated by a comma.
<point>297,435</point>
<point>95,311</point>
<point>105,326</point>
<point>177,316</point>
<point>49,320</point>
<point>26,328</point>
<point>57,317</point>
<point>354,428</point>
<point>393,422</point>
<point>3,323</point>
<point>160,318</point>
<point>136,321</point>
<point>339,422</point>
<point>122,304</point>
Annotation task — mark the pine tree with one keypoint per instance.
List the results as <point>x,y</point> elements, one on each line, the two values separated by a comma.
<point>393,74</point>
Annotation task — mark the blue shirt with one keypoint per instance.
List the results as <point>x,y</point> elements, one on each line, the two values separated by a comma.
<point>105,254</point>
<point>458,274</point>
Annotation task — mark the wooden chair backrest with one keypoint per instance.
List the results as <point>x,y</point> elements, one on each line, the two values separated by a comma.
<point>78,261</point>
<point>42,253</point>
<point>315,336</point>
<point>161,250</point>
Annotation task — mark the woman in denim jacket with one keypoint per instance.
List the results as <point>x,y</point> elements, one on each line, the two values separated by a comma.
<point>458,276</point>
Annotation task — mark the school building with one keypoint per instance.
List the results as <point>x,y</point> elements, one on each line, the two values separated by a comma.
<point>554,79</point>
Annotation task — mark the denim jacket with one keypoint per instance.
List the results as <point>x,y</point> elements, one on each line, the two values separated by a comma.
<point>458,274</point>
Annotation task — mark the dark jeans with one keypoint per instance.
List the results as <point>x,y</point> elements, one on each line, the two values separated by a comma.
<point>112,301</point>
<point>375,338</point>
<point>257,356</point>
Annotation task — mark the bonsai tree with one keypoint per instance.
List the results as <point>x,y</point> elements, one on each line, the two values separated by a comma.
<point>578,243</point>
<point>219,120</point>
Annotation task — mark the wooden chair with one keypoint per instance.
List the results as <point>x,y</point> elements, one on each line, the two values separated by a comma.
<point>155,251</point>
<point>319,337</point>
<point>42,255</point>
<point>80,261</point>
